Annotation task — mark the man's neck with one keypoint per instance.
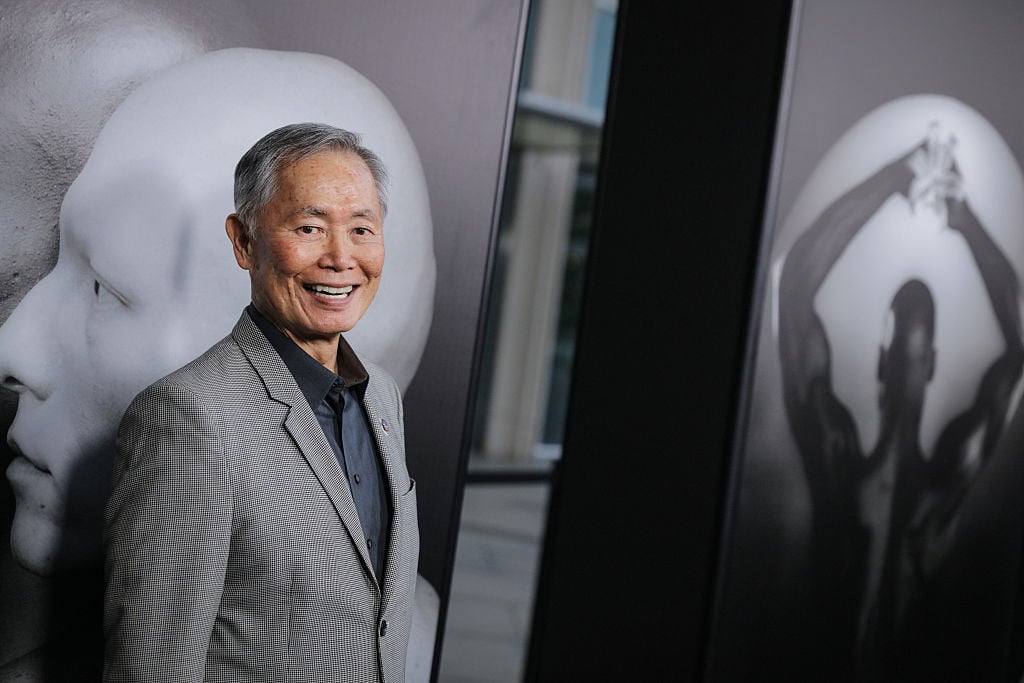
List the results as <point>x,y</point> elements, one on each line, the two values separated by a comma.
<point>324,351</point>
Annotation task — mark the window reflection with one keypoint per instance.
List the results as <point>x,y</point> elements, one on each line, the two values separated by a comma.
<point>543,234</point>
<point>529,339</point>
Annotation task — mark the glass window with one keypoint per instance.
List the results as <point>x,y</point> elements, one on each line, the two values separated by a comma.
<point>529,338</point>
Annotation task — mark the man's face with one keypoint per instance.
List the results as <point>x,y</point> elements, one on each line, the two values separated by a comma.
<point>316,262</point>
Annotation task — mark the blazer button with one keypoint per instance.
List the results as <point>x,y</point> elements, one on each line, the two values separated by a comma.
<point>383,627</point>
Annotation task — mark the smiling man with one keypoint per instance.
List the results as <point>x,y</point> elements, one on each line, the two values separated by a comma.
<point>263,524</point>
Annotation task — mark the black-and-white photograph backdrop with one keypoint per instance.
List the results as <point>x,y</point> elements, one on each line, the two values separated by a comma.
<point>875,525</point>
<point>120,125</point>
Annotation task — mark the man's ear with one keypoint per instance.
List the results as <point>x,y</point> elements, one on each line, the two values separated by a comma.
<point>240,240</point>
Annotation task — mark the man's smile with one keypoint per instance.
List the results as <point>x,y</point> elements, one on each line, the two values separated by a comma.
<point>334,292</point>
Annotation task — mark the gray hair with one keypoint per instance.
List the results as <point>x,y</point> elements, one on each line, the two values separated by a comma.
<point>257,170</point>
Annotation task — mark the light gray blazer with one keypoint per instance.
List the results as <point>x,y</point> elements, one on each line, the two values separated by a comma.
<point>234,550</point>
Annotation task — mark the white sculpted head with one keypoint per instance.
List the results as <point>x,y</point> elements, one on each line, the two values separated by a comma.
<point>146,279</point>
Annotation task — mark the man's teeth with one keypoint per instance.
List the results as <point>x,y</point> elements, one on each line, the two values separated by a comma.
<point>332,291</point>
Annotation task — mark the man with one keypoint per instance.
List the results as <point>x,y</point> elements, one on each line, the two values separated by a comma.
<point>263,524</point>
<point>883,520</point>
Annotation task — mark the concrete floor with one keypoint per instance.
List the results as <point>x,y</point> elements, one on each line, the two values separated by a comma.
<point>491,601</point>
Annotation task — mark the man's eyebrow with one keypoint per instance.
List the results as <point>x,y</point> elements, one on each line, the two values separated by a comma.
<point>310,211</point>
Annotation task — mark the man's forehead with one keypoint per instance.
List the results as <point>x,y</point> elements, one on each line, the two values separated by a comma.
<point>313,211</point>
<point>324,160</point>
<point>318,180</point>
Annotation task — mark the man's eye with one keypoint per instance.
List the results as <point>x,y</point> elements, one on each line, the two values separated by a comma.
<point>307,229</point>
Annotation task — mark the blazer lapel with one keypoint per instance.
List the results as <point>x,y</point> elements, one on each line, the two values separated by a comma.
<point>303,427</point>
<point>397,479</point>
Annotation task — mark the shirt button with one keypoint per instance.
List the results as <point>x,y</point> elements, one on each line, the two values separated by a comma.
<point>358,479</point>
<point>383,627</point>
<point>369,543</point>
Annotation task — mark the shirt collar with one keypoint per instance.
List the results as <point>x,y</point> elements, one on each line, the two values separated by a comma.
<point>314,379</point>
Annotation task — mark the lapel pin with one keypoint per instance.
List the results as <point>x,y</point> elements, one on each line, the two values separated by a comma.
<point>385,425</point>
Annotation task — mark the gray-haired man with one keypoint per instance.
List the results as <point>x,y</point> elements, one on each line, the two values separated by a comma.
<point>263,523</point>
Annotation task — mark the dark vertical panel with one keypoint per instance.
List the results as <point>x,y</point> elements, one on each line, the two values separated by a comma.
<point>629,560</point>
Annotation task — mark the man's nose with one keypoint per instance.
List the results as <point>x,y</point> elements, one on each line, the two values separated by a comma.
<point>24,355</point>
<point>338,253</point>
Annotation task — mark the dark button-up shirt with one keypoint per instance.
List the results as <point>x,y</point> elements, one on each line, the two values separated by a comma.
<point>337,401</point>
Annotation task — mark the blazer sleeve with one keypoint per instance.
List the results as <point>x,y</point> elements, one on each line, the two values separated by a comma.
<point>167,533</point>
